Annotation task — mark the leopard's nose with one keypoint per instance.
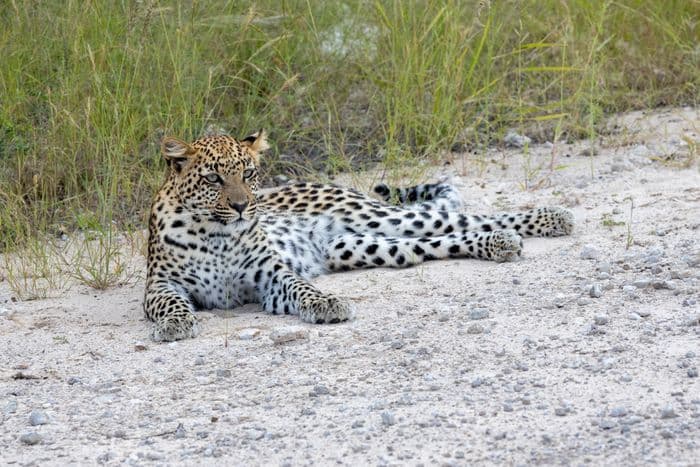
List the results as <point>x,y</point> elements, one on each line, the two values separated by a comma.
<point>240,207</point>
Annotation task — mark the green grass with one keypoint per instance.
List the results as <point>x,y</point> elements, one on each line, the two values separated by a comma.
<point>87,89</point>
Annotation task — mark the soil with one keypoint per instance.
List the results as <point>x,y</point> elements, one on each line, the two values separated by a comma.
<point>585,351</point>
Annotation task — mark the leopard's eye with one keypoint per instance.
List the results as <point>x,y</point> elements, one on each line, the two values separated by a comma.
<point>213,178</point>
<point>248,173</point>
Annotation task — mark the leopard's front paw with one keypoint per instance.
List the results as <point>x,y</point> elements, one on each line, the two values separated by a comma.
<point>175,327</point>
<point>504,245</point>
<point>557,222</point>
<point>324,309</point>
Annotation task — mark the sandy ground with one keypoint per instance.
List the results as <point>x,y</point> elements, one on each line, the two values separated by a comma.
<point>585,351</point>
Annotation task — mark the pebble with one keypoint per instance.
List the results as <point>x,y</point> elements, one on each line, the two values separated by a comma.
<point>478,313</point>
<point>629,289</point>
<point>595,291</point>
<point>618,412</point>
<point>223,373</point>
<point>668,412</point>
<point>663,285</point>
<point>507,407</point>
<point>199,360</point>
<point>666,434</point>
<point>692,372</point>
<point>319,390</point>
<point>476,382</point>
<point>476,329</point>
<point>643,313</point>
<point>515,140</point>
<point>388,419</point>
<point>288,334</point>
<point>590,252</point>
<point>604,267</point>
<point>31,438</point>
<point>10,407</point>
<point>38,417</point>
<point>634,316</point>
<point>692,260</point>
<point>641,283</point>
<point>180,431</point>
<point>248,334</point>
<point>73,380</point>
<point>600,320</point>
<point>583,301</point>
<point>607,424</point>
<point>562,411</point>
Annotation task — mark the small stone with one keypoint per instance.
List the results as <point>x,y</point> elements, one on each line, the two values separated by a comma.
<point>199,360</point>
<point>154,456</point>
<point>561,411</point>
<point>690,354</point>
<point>600,320</point>
<point>73,380</point>
<point>643,313</point>
<point>478,313</point>
<point>397,344</point>
<point>31,438</point>
<point>666,433</point>
<point>507,407</point>
<point>634,316</point>
<point>692,372</point>
<point>10,407</point>
<point>38,417</point>
<point>288,334</point>
<point>476,382</point>
<point>140,348</point>
<point>590,252</point>
<point>668,412</point>
<point>595,291</point>
<point>589,151</point>
<point>515,140</point>
<point>223,373</point>
<point>254,434</point>
<point>180,431</point>
<point>248,334</point>
<point>388,419</point>
<point>604,267</point>
<point>319,390</point>
<point>618,412</point>
<point>475,329</point>
<point>663,285</point>
<point>641,283</point>
<point>629,289</point>
<point>607,424</point>
<point>583,301</point>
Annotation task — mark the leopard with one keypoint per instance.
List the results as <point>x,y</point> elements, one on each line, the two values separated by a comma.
<point>218,239</point>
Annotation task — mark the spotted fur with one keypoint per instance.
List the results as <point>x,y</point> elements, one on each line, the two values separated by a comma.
<point>217,241</point>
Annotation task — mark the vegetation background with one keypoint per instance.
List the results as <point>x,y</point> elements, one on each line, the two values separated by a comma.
<point>88,88</point>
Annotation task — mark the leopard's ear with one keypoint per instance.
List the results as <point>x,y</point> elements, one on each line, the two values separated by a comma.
<point>257,142</point>
<point>176,152</point>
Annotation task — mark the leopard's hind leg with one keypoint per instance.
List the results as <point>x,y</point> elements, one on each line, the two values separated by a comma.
<point>358,251</point>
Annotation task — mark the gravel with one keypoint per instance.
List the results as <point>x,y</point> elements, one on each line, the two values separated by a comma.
<point>288,334</point>
<point>31,438</point>
<point>388,419</point>
<point>38,417</point>
<point>404,383</point>
<point>590,252</point>
<point>478,313</point>
<point>668,412</point>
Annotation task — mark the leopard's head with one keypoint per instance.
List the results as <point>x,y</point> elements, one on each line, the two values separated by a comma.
<point>216,176</point>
